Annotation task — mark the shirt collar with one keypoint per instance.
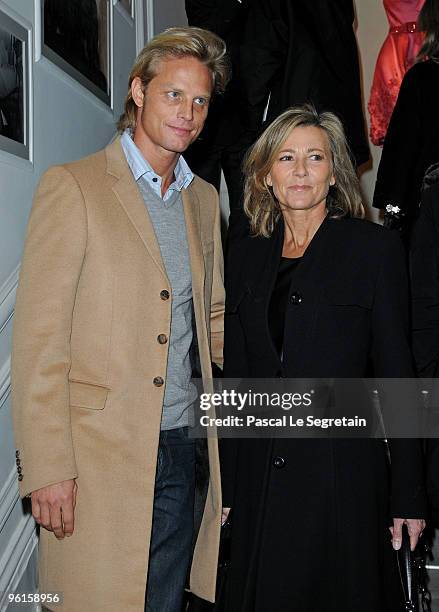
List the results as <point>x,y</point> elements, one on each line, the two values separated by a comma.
<point>140,166</point>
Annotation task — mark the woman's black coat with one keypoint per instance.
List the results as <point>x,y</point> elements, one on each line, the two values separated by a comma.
<point>312,534</point>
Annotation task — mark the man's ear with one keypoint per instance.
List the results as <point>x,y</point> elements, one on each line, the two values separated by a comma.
<point>137,92</point>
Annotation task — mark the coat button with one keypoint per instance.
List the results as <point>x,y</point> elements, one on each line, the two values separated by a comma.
<point>278,462</point>
<point>296,298</point>
<point>162,338</point>
<point>20,477</point>
<point>17,453</point>
<point>158,381</point>
<point>164,294</point>
<point>17,461</point>
<point>19,469</point>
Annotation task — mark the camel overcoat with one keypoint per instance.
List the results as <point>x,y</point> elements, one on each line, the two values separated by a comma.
<point>90,305</point>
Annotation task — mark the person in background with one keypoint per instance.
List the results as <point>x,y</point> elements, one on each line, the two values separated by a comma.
<point>299,52</point>
<point>411,144</point>
<point>219,145</point>
<point>398,53</point>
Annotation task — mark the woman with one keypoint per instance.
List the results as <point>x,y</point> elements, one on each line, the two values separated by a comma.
<point>411,145</point>
<point>397,55</point>
<point>314,292</point>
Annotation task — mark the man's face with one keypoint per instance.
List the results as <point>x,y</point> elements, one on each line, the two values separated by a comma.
<point>172,111</point>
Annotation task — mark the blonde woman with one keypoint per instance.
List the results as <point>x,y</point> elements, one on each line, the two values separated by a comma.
<point>315,291</point>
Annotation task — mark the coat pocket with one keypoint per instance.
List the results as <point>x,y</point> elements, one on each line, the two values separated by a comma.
<point>87,395</point>
<point>349,295</point>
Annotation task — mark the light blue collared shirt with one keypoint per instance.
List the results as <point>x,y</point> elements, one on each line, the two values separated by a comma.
<point>140,167</point>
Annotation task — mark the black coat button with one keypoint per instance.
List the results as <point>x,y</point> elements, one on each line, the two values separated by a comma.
<point>17,453</point>
<point>17,461</point>
<point>158,381</point>
<point>278,462</point>
<point>296,298</point>
<point>162,338</point>
<point>164,294</point>
<point>19,469</point>
<point>20,477</point>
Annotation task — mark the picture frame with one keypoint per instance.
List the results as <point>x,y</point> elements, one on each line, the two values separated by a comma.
<point>77,37</point>
<point>15,84</point>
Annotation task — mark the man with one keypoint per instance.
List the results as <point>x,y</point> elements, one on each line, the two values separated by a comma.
<point>121,279</point>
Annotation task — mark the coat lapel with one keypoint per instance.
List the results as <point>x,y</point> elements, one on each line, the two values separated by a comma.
<point>191,207</point>
<point>262,260</point>
<point>130,198</point>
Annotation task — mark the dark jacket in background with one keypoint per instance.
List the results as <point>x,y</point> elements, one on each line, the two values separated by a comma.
<point>310,533</point>
<point>412,141</point>
<point>218,146</point>
<point>297,51</point>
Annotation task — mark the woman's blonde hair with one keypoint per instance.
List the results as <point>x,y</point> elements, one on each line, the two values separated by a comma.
<point>260,204</point>
<point>205,46</point>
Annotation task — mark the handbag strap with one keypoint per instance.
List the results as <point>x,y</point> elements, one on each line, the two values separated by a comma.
<point>404,561</point>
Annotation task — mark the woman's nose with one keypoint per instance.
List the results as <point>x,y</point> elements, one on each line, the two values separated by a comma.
<point>300,168</point>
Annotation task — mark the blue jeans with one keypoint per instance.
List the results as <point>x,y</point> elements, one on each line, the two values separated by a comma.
<point>172,522</point>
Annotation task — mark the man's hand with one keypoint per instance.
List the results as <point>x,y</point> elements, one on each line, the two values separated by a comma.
<point>415,528</point>
<point>53,507</point>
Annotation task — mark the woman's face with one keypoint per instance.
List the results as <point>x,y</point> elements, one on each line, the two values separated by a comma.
<point>302,172</point>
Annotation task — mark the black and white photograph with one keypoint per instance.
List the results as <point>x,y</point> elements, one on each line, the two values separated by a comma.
<point>13,88</point>
<point>76,37</point>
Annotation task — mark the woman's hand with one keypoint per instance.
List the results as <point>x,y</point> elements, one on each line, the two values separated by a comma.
<point>415,528</point>
<point>225,515</point>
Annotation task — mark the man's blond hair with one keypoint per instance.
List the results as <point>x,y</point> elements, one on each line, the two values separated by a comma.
<point>201,44</point>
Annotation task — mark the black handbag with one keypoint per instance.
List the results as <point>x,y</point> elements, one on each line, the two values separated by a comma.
<point>413,575</point>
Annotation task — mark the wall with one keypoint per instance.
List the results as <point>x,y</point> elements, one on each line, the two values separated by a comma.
<point>68,123</point>
<point>168,13</point>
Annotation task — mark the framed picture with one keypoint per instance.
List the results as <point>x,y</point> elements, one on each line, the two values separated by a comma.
<point>15,66</point>
<point>76,36</point>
